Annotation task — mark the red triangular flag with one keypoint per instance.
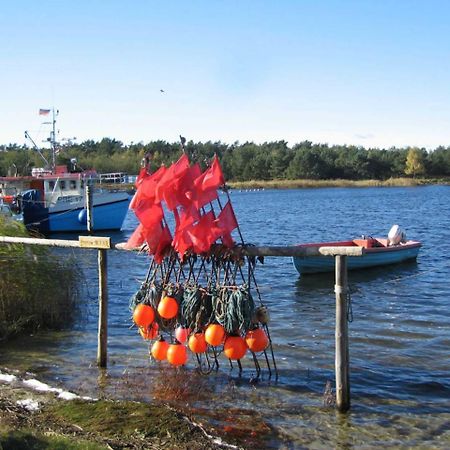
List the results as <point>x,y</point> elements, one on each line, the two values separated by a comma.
<point>148,185</point>
<point>186,191</point>
<point>152,236</point>
<point>149,213</point>
<point>182,241</point>
<point>163,246</point>
<point>136,239</point>
<point>172,174</point>
<point>146,188</point>
<point>227,220</point>
<point>213,177</point>
<point>204,233</point>
<point>141,176</point>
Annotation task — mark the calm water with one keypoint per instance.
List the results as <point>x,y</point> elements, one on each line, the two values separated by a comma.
<point>399,338</point>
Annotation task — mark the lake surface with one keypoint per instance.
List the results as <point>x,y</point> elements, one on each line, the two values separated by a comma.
<point>399,337</point>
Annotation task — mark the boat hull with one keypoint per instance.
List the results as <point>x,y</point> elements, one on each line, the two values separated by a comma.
<point>108,213</point>
<point>372,257</point>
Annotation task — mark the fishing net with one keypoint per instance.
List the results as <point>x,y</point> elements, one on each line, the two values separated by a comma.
<point>200,296</point>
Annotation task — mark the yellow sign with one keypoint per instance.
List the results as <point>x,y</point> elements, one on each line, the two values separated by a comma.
<point>94,242</point>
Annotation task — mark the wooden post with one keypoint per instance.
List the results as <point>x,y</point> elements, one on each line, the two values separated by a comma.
<point>342,357</point>
<point>89,217</point>
<point>102,309</point>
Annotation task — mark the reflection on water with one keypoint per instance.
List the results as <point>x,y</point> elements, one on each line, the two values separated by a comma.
<point>399,338</point>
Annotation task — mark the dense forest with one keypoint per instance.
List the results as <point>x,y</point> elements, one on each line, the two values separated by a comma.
<point>247,161</point>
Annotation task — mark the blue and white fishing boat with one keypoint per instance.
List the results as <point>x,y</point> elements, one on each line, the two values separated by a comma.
<point>376,252</point>
<point>54,199</point>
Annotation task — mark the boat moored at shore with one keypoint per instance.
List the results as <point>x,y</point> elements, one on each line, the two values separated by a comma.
<point>376,252</point>
<point>55,199</point>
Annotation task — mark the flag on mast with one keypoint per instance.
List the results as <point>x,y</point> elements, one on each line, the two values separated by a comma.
<point>44,112</point>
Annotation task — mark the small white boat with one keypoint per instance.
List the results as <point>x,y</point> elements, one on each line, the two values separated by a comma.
<point>376,252</point>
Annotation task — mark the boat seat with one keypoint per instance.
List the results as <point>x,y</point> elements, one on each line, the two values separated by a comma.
<point>365,243</point>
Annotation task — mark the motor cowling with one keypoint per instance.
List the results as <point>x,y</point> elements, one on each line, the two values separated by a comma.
<point>396,235</point>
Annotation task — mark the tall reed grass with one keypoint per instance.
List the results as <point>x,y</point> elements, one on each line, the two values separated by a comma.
<point>38,290</point>
<point>296,184</point>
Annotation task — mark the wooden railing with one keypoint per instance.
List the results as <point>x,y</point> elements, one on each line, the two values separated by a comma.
<point>342,362</point>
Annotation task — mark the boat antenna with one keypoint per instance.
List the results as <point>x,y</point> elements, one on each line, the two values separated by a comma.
<point>27,136</point>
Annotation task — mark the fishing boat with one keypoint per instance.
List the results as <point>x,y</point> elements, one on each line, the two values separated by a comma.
<point>55,198</point>
<point>376,252</point>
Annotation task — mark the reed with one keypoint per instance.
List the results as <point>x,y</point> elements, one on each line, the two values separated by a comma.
<point>38,290</point>
<point>298,184</point>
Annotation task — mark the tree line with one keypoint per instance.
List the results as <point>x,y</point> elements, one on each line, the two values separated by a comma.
<point>243,161</point>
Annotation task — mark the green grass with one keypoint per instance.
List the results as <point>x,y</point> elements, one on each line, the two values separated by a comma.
<point>125,420</point>
<point>93,425</point>
<point>28,439</point>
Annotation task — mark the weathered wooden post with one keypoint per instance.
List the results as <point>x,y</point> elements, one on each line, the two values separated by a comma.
<point>342,357</point>
<point>102,309</point>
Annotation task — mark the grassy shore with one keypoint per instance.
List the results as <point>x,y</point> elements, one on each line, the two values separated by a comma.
<point>298,184</point>
<point>79,424</point>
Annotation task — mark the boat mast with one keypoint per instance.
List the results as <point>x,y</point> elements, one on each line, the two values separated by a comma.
<point>52,138</point>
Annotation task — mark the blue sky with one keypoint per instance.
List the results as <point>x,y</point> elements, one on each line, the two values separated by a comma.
<point>371,73</point>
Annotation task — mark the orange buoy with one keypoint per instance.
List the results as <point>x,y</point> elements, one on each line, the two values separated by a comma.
<point>168,307</point>
<point>235,347</point>
<point>159,349</point>
<point>149,332</point>
<point>177,354</point>
<point>214,334</point>
<point>257,340</point>
<point>182,334</point>
<point>143,315</point>
<point>197,343</point>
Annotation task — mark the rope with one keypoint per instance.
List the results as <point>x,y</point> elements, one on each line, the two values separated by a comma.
<point>190,306</point>
<point>234,309</point>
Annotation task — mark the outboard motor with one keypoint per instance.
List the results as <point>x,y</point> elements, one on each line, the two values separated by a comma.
<point>396,235</point>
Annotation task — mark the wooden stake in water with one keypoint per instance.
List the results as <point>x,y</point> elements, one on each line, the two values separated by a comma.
<point>342,356</point>
<point>102,309</point>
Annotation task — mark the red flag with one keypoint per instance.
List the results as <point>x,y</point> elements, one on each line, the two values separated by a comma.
<point>172,174</point>
<point>202,198</point>
<point>213,177</point>
<point>227,240</point>
<point>152,236</point>
<point>186,191</point>
<point>149,213</point>
<point>227,220</point>
<point>136,239</point>
<point>142,174</point>
<point>207,183</point>
<point>204,233</point>
<point>146,186</point>
<point>182,241</point>
<point>163,245</point>
<point>188,216</point>
<point>212,232</point>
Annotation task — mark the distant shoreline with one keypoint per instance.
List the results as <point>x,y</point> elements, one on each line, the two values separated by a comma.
<point>300,184</point>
